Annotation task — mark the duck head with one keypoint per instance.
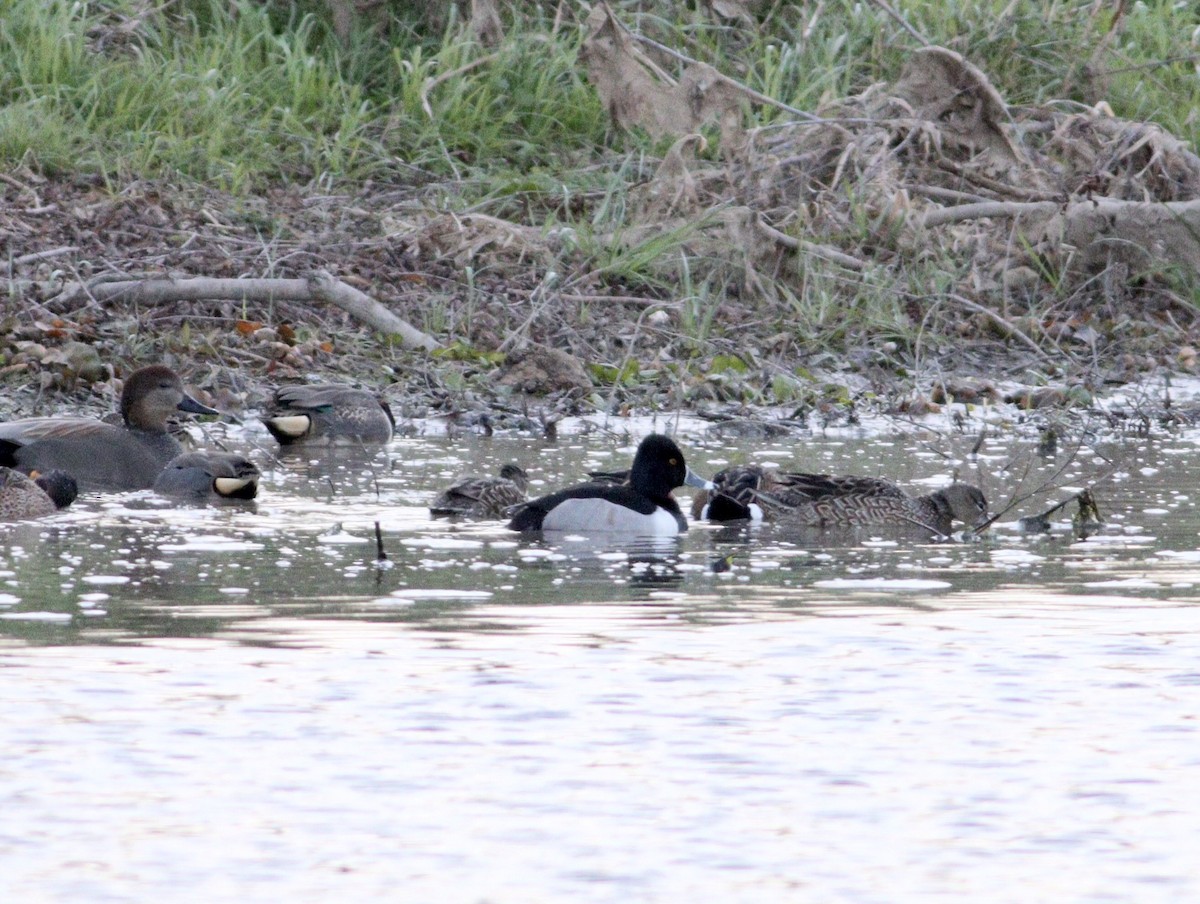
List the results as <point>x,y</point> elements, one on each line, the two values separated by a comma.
<point>152,394</point>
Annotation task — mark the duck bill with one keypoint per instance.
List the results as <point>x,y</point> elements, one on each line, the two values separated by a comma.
<point>191,405</point>
<point>694,480</point>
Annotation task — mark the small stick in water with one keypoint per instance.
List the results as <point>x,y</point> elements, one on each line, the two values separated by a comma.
<point>380,555</point>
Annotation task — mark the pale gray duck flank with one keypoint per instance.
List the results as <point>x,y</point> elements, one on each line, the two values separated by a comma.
<point>103,456</point>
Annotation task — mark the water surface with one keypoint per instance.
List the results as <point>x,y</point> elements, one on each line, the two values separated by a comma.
<point>241,703</point>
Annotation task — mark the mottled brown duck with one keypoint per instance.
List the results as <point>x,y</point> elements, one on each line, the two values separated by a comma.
<point>34,496</point>
<point>820,500</point>
<point>484,497</point>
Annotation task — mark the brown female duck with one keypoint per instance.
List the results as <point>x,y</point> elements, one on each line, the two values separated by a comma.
<point>34,496</point>
<point>484,497</point>
<point>820,500</point>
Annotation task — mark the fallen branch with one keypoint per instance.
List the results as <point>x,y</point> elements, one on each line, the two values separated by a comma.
<point>986,210</point>
<point>40,256</point>
<point>1141,234</point>
<point>321,286</point>
<point>616,299</point>
<point>945,194</point>
<point>999,321</point>
<point>782,238</point>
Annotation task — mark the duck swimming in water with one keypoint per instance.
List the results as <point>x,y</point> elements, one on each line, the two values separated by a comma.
<point>484,497</point>
<point>642,506</point>
<point>34,495</point>
<point>329,413</point>
<point>103,456</point>
<point>820,500</point>
<point>208,477</point>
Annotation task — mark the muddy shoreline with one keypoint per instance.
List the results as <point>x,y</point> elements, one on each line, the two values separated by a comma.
<point>626,356</point>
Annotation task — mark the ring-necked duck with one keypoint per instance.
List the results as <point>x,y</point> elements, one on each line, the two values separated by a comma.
<point>642,506</point>
<point>106,456</point>
<point>329,413</point>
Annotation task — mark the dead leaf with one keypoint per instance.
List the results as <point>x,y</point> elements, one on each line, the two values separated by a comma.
<point>246,327</point>
<point>673,189</point>
<point>484,23</point>
<point>53,329</point>
<point>637,92</point>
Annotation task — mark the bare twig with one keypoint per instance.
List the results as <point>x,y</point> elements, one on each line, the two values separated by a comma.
<point>1008,189</point>
<point>18,184</point>
<point>998,320</point>
<point>616,299</point>
<point>39,256</point>
<point>985,210</point>
<point>825,251</point>
<point>903,23</point>
<point>946,194</point>
<point>431,83</point>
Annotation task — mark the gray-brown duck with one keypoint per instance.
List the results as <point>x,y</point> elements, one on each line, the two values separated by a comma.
<point>208,477</point>
<point>24,496</point>
<point>328,413</point>
<point>103,456</point>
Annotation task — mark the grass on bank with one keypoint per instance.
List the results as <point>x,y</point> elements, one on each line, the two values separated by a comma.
<point>249,95</point>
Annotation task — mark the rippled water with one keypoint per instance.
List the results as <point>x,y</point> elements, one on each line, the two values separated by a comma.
<point>240,704</point>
